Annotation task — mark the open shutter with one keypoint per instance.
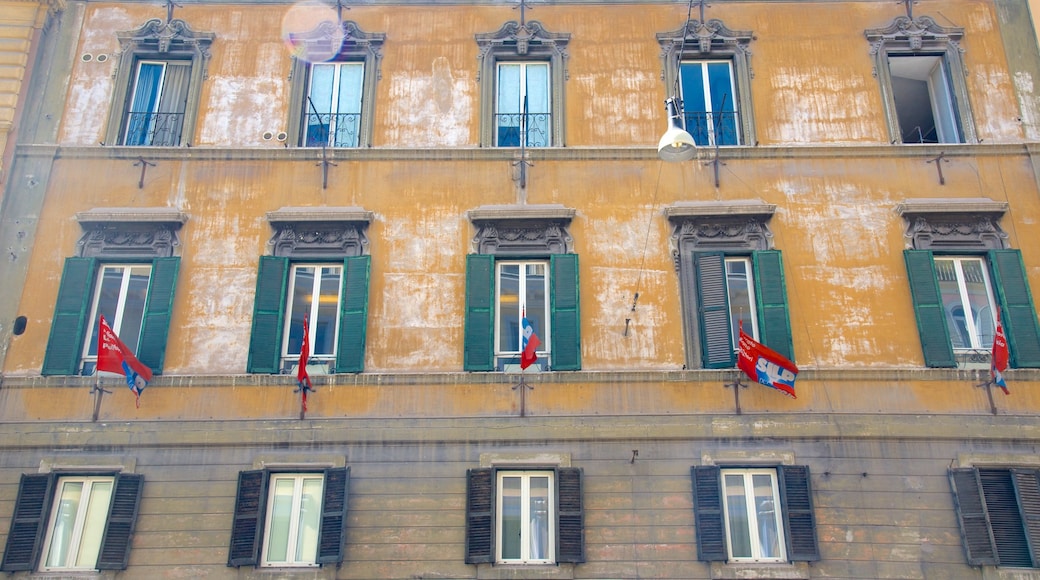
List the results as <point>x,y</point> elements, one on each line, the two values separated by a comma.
<point>1005,517</point>
<point>65,344</point>
<point>333,536</point>
<point>247,526</point>
<point>479,345</point>
<point>353,315</point>
<point>979,545</point>
<point>28,522</point>
<point>713,311</point>
<point>707,510</point>
<point>928,309</point>
<point>1027,488</point>
<point>565,324</point>
<point>799,519</point>
<point>480,518</point>
<point>570,516</point>
<point>156,326</point>
<point>122,518</point>
<point>265,340</point>
<point>774,318</point>
<point>1018,314</point>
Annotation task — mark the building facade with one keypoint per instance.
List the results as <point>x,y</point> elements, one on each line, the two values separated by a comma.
<point>424,196</point>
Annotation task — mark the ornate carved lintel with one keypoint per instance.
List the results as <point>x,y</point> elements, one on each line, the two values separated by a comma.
<point>522,39</point>
<point>966,224</point>
<point>129,240</point>
<point>915,34</point>
<point>522,230</point>
<point>711,226</point>
<point>319,239</point>
<point>328,38</point>
<point>706,38</point>
<point>164,38</point>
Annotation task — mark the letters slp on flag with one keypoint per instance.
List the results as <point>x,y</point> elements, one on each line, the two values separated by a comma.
<point>115,357</point>
<point>766,366</point>
<point>999,358</point>
<point>529,348</point>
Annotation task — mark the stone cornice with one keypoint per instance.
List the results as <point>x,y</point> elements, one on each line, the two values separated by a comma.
<point>319,214</point>
<point>132,214</point>
<point>973,205</point>
<point>694,209</point>
<point>521,212</point>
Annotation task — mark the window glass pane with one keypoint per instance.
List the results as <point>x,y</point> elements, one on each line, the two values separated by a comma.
<point>507,107</point>
<point>535,300</point>
<point>723,103</point>
<point>106,300</point>
<point>983,317</point>
<point>94,524</point>
<point>324,323</point>
<point>695,106</point>
<point>351,76</point>
<point>309,520</point>
<point>508,308</point>
<point>539,510</point>
<point>132,315</point>
<point>322,78</point>
<point>120,297</point>
<point>279,521</point>
<point>146,89</point>
<point>741,298</point>
<point>765,510</point>
<point>511,518</point>
<point>912,96</point>
<point>64,523</point>
<point>943,105</point>
<point>967,301</point>
<point>736,511</point>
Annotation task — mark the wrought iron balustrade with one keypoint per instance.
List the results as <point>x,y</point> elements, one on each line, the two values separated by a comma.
<point>708,127</point>
<point>536,126</point>
<point>154,129</point>
<point>331,129</point>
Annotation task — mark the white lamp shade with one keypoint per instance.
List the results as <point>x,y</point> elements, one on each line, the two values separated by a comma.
<point>676,145</point>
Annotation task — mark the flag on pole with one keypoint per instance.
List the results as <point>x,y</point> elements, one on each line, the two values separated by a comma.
<point>529,348</point>
<point>115,357</point>
<point>302,378</point>
<point>766,366</point>
<point>999,358</point>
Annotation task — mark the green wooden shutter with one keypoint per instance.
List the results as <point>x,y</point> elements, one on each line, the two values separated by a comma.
<point>1017,312</point>
<point>65,345</point>
<point>353,315</point>
<point>122,518</point>
<point>928,309</point>
<point>570,516</point>
<point>248,523</point>
<point>774,320</point>
<point>976,532</point>
<point>332,538</point>
<point>1027,488</point>
<point>565,314</point>
<point>265,341</point>
<point>480,516</point>
<point>29,522</point>
<point>158,306</point>
<point>707,510</point>
<point>713,311</point>
<point>799,518</point>
<point>479,343</point>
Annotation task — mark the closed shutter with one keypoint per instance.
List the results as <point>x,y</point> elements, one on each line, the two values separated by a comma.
<point>479,345</point>
<point>707,510</point>
<point>480,519</point>
<point>799,519</point>
<point>1027,488</point>
<point>353,315</point>
<point>265,340</point>
<point>713,312</point>
<point>65,345</point>
<point>774,318</point>
<point>928,309</point>
<point>1005,518</point>
<point>28,523</point>
<point>565,312</point>
<point>979,545</point>
<point>1017,312</point>
<point>122,518</point>
<point>247,525</point>
<point>333,536</point>
<point>570,516</point>
<point>158,306</point>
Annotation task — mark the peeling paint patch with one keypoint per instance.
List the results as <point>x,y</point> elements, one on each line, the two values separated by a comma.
<point>248,106</point>
<point>1029,105</point>
<point>424,243</point>
<point>221,320</point>
<point>618,104</point>
<point>607,295</point>
<point>997,112</point>
<point>415,325</point>
<point>430,110</point>
<point>820,105</point>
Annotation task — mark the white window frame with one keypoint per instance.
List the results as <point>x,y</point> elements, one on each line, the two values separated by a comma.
<point>292,536</point>
<point>160,90</point>
<point>752,514</point>
<point>291,359</point>
<point>544,334</point>
<point>709,105</point>
<point>116,322</point>
<point>524,65</point>
<point>77,538</point>
<point>525,516</point>
<point>338,67</point>
<point>932,70</point>
<point>734,313</point>
<point>971,325</point>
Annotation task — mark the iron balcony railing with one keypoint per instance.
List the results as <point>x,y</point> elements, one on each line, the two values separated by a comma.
<point>708,127</point>
<point>331,129</point>
<point>154,129</point>
<point>536,126</point>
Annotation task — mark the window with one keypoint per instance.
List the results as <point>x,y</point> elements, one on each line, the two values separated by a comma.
<point>292,519</point>
<point>524,516</point>
<point>119,296</point>
<point>713,79</point>
<point>998,511</point>
<point>73,522</point>
<point>919,66</point>
<point>522,290</point>
<point>333,101</point>
<point>314,293</point>
<point>754,514</point>
<point>964,289</point>
<point>522,72</point>
<point>158,84</point>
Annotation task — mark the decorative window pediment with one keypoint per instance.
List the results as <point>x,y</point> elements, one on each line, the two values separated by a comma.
<point>322,232</point>
<point>959,224</point>
<point>522,229</point>
<point>705,38</point>
<point>130,232</point>
<point>528,39</point>
<point>920,33</point>
<point>175,36</point>
<point>706,226</point>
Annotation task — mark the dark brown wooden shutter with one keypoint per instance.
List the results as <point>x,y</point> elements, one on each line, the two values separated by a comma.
<point>480,516</point>
<point>248,523</point>
<point>979,545</point>
<point>570,516</point>
<point>28,523</point>
<point>332,539</point>
<point>1027,487</point>
<point>799,519</point>
<point>122,518</point>
<point>707,510</point>
<point>1005,518</point>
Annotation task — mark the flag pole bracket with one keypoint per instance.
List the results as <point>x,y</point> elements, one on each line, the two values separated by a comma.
<point>98,393</point>
<point>523,387</point>
<point>988,385</point>
<point>736,385</point>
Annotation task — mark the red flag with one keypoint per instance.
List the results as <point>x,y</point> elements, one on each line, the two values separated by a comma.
<point>114,357</point>
<point>302,377</point>
<point>529,353</point>
<point>764,365</point>
<point>999,358</point>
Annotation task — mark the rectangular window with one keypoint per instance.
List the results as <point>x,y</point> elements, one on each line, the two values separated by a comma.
<point>314,292</point>
<point>967,299</point>
<point>998,511</point>
<point>77,523</point>
<point>525,517</point>
<point>293,519</point>
<point>332,111</point>
<point>741,288</point>
<point>522,289</point>
<point>709,100</point>
<point>158,98</point>
<point>120,296</point>
<point>522,106</point>
<point>924,102</point>
<point>753,523</point>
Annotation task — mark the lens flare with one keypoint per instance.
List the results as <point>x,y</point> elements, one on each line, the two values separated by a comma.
<point>312,31</point>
